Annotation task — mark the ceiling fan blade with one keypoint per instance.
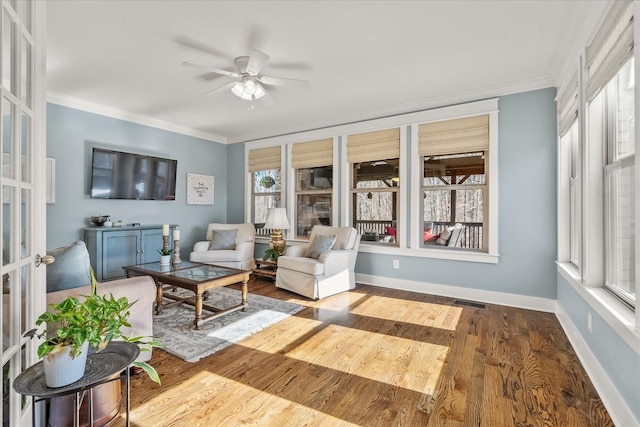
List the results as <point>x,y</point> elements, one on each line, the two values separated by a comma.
<point>257,60</point>
<point>197,45</point>
<point>211,70</point>
<point>220,88</point>
<point>282,81</point>
<point>267,100</point>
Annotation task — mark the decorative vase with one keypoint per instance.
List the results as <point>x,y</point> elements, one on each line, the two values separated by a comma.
<point>165,259</point>
<point>60,369</point>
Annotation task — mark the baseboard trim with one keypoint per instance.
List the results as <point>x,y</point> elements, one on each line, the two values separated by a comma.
<point>491,297</point>
<point>615,404</point>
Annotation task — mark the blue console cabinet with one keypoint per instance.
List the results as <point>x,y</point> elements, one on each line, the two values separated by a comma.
<point>111,248</point>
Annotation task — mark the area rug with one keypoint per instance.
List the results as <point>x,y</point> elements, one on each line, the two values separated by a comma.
<point>174,327</point>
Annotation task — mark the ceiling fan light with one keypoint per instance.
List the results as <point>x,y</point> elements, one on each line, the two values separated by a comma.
<point>240,90</point>
<point>249,86</point>
<point>260,92</point>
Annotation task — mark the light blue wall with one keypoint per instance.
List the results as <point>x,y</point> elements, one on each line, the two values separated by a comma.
<point>235,198</point>
<point>71,134</point>
<point>527,210</point>
<point>617,358</point>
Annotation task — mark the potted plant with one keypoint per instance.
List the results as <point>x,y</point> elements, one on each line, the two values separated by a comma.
<point>271,254</point>
<point>165,255</point>
<point>74,325</point>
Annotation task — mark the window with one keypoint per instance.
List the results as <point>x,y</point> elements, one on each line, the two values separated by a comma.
<point>619,170</point>
<point>313,199</point>
<point>266,185</point>
<point>313,164</point>
<point>454,183</point>
<point>375,161</point>
<point>570,144</point>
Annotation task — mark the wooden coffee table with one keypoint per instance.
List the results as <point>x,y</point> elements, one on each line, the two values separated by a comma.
<point>196,277</point>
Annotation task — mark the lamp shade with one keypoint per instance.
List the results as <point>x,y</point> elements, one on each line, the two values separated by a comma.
<point>277,219</point>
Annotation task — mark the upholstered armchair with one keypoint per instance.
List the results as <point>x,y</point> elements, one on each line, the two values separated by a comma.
<point>69,276</point>
<point>323,267</point>
<point>227,245</point>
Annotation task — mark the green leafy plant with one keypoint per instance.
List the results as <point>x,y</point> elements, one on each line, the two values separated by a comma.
<point>97,319</point>
<point>164,251</point>
<point>270,254</point>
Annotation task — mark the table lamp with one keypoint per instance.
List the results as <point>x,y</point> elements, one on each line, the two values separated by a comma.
<point>277,220</point>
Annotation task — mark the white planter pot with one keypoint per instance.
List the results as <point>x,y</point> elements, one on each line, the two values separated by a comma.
<point>165,259</point>
<point>61,369</point>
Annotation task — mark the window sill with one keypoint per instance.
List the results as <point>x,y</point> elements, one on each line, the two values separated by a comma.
<point>617,314</point>
<point>449,254</point>
<point>390,249</point>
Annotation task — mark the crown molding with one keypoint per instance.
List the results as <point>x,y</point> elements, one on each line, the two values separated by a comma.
<point>461,97</point>
<point>115,113</point>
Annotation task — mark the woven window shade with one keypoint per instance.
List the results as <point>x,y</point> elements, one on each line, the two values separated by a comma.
<point>371,146</point>
<point>568,104</point>
<point>312,154</point>
<point>611,47</point>
<point>264,159</point>
<point>454,136</point>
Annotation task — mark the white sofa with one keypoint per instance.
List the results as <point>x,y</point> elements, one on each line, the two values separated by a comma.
<point>332,273</point>
<point>238,254</point>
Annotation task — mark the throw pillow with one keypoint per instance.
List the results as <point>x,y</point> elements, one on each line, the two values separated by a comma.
<point>320,244</point>
<point>71,268</point>
<point>444,236</point>
<point>223,239</point>
<point>428,237</point>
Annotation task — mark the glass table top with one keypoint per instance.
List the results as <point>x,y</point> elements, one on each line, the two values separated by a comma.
<point>187,270</point>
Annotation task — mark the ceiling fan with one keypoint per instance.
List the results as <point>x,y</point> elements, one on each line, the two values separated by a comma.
<point>249,84</point>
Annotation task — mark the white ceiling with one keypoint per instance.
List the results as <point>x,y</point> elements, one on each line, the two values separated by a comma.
<point>364,59</point>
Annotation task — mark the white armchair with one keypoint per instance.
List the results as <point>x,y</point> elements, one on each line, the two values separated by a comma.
<point>331,273</point>
<point>226,248</point>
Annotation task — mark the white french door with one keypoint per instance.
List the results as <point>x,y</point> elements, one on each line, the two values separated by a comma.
<point>22,218</point>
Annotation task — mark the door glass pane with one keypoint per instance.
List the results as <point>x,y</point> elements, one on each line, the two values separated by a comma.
<point>25,226</point>
<point>7,137</point>
<point>26,14</point>
<point>25,72</point>
<point>7,220</point>
<point>7,52</point>
<point>7,309</point>
<point>6,393</point>
<point>25,155</point>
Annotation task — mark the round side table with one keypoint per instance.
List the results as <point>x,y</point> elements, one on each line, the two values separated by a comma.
<point>102,367</point>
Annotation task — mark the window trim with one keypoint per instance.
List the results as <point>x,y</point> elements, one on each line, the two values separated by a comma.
<point>408,210</point>
<point>492,254</point>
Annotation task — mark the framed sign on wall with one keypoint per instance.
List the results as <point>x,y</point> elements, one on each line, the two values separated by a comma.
<point>199,189</point>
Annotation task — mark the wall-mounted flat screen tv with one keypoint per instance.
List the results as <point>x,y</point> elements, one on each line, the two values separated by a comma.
<point>118,175</point>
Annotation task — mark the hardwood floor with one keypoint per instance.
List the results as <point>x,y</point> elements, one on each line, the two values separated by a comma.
<point>379,357</point>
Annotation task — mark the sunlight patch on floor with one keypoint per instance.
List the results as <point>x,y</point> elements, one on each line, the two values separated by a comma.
<point>282,335</point>
<point>417,312</point>
<point>202,397</point>
<point>388,364</point>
